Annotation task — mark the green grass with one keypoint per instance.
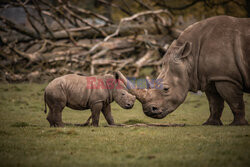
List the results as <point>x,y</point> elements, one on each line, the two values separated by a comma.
<point>27,140</point>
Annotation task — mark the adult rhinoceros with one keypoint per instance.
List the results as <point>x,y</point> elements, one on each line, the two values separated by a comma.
<point>213,56</point>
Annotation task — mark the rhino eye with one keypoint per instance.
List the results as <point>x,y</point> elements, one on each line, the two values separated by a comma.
<point>123,94</point>
<point>166,89</point>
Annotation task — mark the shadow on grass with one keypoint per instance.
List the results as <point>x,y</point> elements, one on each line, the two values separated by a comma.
<point>53,132</point>
<point>128,122</point>
<point>134,121</point>
<point>75,125</point>
<point>22,124</point>
<point>4,133</point>
<point>60,131</point>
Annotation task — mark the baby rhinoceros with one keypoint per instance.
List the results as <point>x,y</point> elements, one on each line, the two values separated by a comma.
<point>86,92</point>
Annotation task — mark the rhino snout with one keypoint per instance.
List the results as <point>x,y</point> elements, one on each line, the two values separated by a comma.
<point>154,112</point>
<point>154,109</point>
<point>129,105</point>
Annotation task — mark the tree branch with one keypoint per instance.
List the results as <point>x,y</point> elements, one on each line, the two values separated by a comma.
<point>84,21</point>
<point>87,12</point>
<point>177,8</point>
<point>19,28</point>
<point>42,18</point>
<point>29,18</point>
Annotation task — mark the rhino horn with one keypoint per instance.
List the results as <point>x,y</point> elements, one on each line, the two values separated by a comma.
<point>138,93</point>
<point>149,85</point>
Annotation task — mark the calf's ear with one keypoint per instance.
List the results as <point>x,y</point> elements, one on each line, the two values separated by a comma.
<point>120,76</point>
<point>184,50</point>
<point>116,76</point>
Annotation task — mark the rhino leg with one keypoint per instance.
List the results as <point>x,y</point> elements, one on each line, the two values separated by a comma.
<point>55,116</point>
<point>216,105</point>
<point>56,103</point>
<point>95,113</point>
<point>50,117</point>
<point>234,97</point>
<point>107,114</point>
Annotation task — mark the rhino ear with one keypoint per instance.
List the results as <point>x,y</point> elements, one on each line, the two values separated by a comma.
<point>184,50</point>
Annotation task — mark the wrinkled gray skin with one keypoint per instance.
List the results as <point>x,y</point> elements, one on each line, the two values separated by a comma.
<point>213,56</point>
<point>71,91</point>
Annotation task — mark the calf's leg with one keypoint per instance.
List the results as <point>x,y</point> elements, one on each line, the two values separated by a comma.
<point>56,104</point>
<point>55,116</point>
<point>95,110</point>
<point>216,105</point>
<point>233,95</point>
<point>50,117</point>
<point>107,114</point>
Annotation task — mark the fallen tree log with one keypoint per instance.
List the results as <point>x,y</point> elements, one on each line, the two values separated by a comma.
<point>72,41</point>
<point>128,126</point>
<point>83,33</point>
<point>147,125</point>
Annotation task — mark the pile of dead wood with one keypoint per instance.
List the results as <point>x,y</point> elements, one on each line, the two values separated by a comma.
<point>62,38</point>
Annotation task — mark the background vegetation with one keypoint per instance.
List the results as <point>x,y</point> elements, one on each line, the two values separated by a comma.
<point>53,38</point>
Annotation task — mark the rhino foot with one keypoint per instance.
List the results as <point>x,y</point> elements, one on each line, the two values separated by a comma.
<point>57,124</point>
<point>213,122</point>
<point>94,124</point>
<point>239,123</point>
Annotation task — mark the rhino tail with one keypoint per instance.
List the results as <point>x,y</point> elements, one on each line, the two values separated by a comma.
<point>45,105</point>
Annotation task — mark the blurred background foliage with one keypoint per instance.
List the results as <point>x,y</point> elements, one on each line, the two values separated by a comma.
<point>43,39</point>
<point>185,10</point>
